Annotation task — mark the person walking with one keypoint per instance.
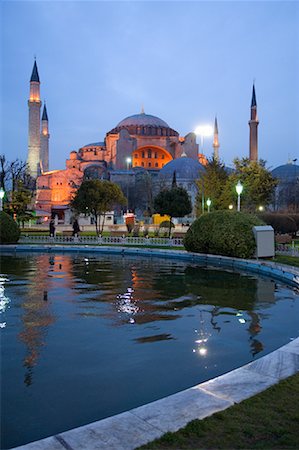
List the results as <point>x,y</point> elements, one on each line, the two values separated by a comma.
<point>52,228</point>
<point>76,228</point>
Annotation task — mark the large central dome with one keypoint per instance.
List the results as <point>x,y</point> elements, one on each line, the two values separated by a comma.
<point>144,125</point>
<point>143,120</point>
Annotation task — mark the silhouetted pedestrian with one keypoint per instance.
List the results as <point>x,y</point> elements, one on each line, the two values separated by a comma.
<point>52,228</point>
<point>76,228</point>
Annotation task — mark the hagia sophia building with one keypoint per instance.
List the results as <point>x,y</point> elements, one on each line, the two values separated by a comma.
<point>139,148</point>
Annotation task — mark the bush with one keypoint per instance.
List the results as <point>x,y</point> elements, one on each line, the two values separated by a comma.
<point>223,233</point>
<point>9,229</point>
<point>136,231</point>
<point>281,223</point>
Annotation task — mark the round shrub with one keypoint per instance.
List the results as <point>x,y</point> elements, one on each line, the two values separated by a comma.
<point>223,233</point>
<point>9,229</point>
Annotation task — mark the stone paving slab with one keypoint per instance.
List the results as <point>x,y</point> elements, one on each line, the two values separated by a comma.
<point>279,364</point>
<point>174,412</point>
<point>238,385</point>
<point>125,431</point>
<point>50,443</point>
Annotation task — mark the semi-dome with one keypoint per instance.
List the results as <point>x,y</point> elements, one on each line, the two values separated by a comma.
<point>184,167</point>
<point>287,173</point>
<point>143,120</point>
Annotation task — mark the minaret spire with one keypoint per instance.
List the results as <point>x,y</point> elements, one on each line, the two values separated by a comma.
<point>34,104</point>
<point>216,144</point>
<point>44,139</point>
<point>253,124</point>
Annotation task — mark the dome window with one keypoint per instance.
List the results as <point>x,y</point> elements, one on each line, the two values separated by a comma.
<point>149,153</point>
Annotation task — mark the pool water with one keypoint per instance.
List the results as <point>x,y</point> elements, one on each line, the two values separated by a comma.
<point>84,337</point>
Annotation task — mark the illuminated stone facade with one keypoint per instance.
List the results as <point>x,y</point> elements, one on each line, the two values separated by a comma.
<point>141,142</point>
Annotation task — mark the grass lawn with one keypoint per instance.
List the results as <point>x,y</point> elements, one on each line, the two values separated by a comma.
<point>269,421</point>
<point>291,260</point>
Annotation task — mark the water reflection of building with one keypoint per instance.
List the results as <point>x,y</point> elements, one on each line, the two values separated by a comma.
<point>38,315</point>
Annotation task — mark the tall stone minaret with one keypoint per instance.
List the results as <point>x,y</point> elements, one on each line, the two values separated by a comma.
<point>44,142</point>
<point>34,105</point>
<point>216,144</point>
<point>253,124</point>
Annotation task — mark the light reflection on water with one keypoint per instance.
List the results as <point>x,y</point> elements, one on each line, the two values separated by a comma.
<point>87,337</point>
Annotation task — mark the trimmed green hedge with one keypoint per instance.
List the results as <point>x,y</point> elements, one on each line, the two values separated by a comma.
<point>225,233</point>
<point>9,229</point>
<point>282,223</point>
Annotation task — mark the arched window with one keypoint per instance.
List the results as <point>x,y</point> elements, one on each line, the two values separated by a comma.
<point>149,153</point>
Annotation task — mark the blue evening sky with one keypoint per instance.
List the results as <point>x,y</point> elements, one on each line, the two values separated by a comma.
<point>99,62</point>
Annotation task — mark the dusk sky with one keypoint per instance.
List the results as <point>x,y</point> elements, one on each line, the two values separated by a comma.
<point>99,62</point>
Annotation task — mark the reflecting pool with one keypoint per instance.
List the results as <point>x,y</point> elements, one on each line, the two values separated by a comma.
<point>86,336</point>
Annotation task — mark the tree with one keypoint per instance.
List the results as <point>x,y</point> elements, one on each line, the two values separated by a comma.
<point>14,172</point>
<point>259,184</point>
<point>174,202</point>
<point>96,198</point>
<point>211,184</point>
<point>20,199</point>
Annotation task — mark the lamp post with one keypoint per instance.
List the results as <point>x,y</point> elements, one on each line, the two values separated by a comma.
<point>296,181</point>
<point>239,189</point>
<point>128,161</point>
<point>2,192</point>
<point>209,204</point>
<point>203,131</point>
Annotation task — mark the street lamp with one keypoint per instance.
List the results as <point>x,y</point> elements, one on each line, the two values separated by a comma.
<point>209,204</point>
<point>128,161</point>
<point>203,131</point>
<point>2,192</point>
<point>239,189</point>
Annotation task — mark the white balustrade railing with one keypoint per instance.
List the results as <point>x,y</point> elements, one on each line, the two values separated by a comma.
<point>287,249</point>
<point>95,240</point>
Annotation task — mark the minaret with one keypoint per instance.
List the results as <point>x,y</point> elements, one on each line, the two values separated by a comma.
<point>34,104</point>
<point>216,144</point>
<point>253,124</point>
<point>44,142</point>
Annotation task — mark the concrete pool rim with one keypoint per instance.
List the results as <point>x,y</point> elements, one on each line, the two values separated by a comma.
<point>143,424</point>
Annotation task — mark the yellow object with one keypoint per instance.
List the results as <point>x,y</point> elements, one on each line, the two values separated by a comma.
<point>157,219</point>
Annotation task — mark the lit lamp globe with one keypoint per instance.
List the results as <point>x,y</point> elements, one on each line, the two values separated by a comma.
<point>203,131</point>
<point>239,189</point>
<point>209,204</point>
<point>128,160</point>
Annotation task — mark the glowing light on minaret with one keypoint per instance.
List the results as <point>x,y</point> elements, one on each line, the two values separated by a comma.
<point>34,104</point>
<point>44,148</point>
<point>253,124</point>
<point>216,144</point>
